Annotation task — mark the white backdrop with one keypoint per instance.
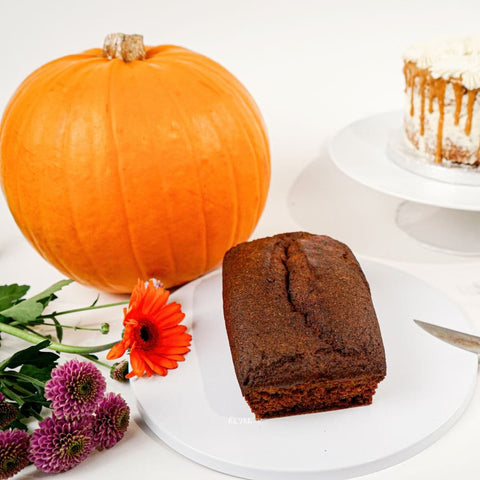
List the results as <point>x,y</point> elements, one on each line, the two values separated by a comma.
<point>313,67</point>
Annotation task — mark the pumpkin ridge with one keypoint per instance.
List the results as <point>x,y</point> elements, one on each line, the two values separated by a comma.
<point>190,143</point>
<point>38,78</point>
<point>214,75</point>
<point>246,98</point>
<point>83,249</point>
<point>162,178</point>
<point>141,274</point>
<point>49,79</point>
<point>169,214</point>
<point>247,114</point>
<point>232,175</point>
<point>252,115</point>
<point>18,212</point>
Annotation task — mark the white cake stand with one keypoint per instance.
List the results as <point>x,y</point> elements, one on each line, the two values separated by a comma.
<point>442,207</point>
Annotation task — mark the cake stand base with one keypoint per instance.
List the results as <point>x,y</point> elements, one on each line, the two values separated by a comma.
<point>444,229</point>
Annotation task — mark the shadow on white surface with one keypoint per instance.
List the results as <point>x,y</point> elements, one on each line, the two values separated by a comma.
<point>324,200</point>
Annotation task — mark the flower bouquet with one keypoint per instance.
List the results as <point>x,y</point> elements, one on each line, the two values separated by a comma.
<point>68,400</point>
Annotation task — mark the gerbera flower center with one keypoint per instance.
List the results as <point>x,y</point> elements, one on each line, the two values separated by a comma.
<point>145,333</point>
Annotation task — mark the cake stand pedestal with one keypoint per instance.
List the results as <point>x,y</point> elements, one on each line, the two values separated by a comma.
<point>444,229</point>
<point>440,215</point>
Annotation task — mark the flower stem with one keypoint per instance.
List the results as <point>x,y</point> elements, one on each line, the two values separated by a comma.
<point>94,359</point>
<point>27,378</point>
<point>73,327</point>
<point>82,309</point>
<point>58,347</point>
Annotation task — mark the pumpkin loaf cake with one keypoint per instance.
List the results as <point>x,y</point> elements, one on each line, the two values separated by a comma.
<point>301,325</point>
<point>442,109</point>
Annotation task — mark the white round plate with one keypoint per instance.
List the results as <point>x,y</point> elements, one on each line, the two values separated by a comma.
<point>199,411</point>
<point>360,151</point>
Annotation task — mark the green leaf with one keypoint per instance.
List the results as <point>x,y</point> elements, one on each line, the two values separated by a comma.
<point>20,389</point>
<point>25,379</point>
<point>12,395</point>
<point>31,409</point>
<point>10,294</point>
<point>28,310</point>
<point>45,301</point>
<point>51,290</point>
<point>24,312</point>
<point>16,424</point>
<point>58,329</point>
<point>95,301</point>
<point>40,373</point>
<point>26,387</point>
<point>32,356</point>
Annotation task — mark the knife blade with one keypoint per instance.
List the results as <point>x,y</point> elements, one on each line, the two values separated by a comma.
<point>454,337</point>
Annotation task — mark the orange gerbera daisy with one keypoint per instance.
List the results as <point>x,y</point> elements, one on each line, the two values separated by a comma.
<point>152,332</point>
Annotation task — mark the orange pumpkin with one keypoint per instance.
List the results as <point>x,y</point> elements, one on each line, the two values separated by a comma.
<point>134,162</point>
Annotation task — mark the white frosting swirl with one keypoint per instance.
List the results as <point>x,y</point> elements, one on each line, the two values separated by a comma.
<point>457,57</point>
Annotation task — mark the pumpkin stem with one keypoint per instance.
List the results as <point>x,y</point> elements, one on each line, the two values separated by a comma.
<point>124,47</point>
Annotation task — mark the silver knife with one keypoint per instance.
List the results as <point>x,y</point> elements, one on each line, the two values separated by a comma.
<point>459,339</point>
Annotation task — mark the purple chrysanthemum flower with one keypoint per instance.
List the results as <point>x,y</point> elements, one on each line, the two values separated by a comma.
<point>75,389</point>
<point>8,413</point>
<point>13,452</point>
<point>59,444</point>
<point>111,421</point>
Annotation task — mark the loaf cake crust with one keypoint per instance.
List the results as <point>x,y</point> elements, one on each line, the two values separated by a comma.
<point>302,328</point>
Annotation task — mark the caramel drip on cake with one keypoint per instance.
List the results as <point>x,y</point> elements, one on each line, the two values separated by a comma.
<point>471,100</point>
<point>422,80</point>
<point>412,110</point>
<point>459,91</point>
<point>410,82</point>
<point>431,94</point>
<point>440,86</point>
<point>411,75</point>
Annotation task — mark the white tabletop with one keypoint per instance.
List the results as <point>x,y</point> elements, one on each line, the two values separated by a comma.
<point>313,67</point>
